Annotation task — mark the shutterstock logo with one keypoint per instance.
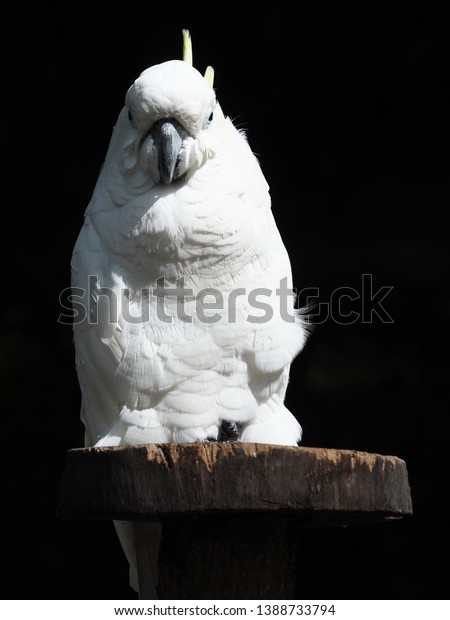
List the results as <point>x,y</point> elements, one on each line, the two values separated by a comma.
<point>165,303</point>
<point>347,305</point>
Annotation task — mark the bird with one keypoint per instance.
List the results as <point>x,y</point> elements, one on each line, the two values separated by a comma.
<point>188,325</point>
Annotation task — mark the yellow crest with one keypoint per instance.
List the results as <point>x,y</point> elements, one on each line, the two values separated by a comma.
<point>187,57</point>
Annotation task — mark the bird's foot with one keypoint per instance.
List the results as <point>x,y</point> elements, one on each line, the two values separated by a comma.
<point>228,431</point>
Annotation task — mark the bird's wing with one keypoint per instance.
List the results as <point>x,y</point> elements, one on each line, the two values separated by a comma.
<point>96,363</point>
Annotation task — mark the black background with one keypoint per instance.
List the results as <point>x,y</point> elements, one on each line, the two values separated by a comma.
<point>347,108</point>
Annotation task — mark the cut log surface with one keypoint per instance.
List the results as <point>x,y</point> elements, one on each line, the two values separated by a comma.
<point>159,481</point>
<point>233,514</point>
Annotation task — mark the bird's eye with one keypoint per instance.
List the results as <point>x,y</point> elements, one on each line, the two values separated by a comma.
<point>130,116</point>
<point>208,117</point>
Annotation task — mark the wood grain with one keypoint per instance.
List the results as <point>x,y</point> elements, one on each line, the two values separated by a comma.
<point>161,480</point>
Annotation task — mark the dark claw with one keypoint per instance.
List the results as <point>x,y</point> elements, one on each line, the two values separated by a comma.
<point>229,431</point>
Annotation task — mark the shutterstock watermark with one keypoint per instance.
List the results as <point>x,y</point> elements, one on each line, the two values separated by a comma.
<point>345,305</point>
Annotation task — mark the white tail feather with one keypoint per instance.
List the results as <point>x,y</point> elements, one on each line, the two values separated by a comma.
<point>140,542</point>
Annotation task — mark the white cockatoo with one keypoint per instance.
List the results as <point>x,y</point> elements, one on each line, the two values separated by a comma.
<point>186,326</point>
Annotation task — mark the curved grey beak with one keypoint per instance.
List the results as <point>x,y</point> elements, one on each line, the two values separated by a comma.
<point>168,136</point>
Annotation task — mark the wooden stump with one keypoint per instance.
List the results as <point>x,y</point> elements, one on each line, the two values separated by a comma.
<point>232,513</point>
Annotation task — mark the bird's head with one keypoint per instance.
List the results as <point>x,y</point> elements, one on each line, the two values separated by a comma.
<point>168,110</point>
